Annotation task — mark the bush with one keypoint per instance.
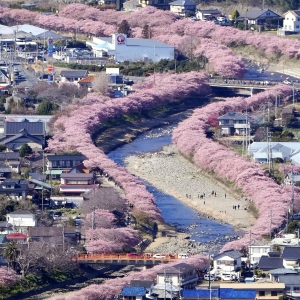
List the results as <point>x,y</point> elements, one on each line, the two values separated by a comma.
<point>25,150</point>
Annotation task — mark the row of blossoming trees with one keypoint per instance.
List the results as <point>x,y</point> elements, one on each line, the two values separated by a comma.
<point>267,195</point>
<point>199,38</point>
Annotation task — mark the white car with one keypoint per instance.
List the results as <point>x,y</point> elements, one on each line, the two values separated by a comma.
<point>212,277</point>
<point>287,82</point>
<point>159,256</point>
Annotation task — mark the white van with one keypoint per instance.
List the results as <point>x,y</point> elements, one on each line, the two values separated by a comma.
<point>183,255</point>
<point>226,277</point>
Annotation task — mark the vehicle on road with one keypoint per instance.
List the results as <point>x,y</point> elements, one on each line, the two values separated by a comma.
<point>212,277</point>
<point>57,215</point>
<point>134,255</point>
<point>159,256</point>
<point>287,82</point>
<point>183,255</point>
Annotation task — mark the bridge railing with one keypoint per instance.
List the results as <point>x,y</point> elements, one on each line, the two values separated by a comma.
<point>123,256</point>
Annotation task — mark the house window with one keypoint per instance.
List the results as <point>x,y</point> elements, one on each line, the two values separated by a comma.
<point>296,289</point>
<point>287,18</point>
<point>298,19</point>
<point>273,293</point>
<point>297,26</point>
<point>261,293</point>
<point>54,164</point>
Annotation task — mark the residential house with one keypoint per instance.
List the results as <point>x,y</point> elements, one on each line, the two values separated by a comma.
<point>257,16</point>
<point>5,172</point>
<point>291,21</point>
<point>234,123</point>
<point>287,151</point>
<point>274,274</point>
<point>64,162</point>
<point>11,160</point>
<point>203,14</point>
<point>86,82</point>
<point>292,178</point>
<point>269,262</point>
<point>263,290</point>
<point>46,234</point>
<point>5,227</point>
<point>15,188</point>
<point>17,237</point>
<point>228,261</point>
<point>292,285</point>
<point>291,257</point>
<point>76,184</point>
<point>132,5</point>
<point>133,293</point>
<point>182,275</point>
<point>147,284</point>
<point>73,75</point>
<point>18,133</point>
<point>183,7</point>
<point>5,81</point>
<point>21,220</point>
<point>257,250</point>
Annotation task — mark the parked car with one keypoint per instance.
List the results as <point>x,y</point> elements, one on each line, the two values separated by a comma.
<point>183,255</point>
<point>134,255</point>
<point>241,279</point>
<point>287,82</point>
<point>57,215</point>
<point>212,277</point>
<point>159,256</point>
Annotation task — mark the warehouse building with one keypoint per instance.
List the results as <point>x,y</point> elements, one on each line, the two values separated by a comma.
<point>121,48</point>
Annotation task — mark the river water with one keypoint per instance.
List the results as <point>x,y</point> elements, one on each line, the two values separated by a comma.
<point>201,228</point>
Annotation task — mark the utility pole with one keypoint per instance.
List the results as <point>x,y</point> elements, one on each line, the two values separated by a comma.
<point>250,249</point>
<point>269,149</point>
<point>293,193</point>
<point>293,95</point>
<point>271,224</point>
<point>154,65</point>
<point>93,223</point>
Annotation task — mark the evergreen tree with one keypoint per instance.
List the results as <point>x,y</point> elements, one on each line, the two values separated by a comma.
<point>124,28</point>
<point>25,150</point>
<point>146,32</point>
<point>235,15</point>
<point>45,108</point>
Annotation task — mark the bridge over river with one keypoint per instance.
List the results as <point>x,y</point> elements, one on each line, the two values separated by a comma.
<point>125,259</point>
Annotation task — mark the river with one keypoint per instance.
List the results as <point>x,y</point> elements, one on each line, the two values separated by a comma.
<point>201,228</point>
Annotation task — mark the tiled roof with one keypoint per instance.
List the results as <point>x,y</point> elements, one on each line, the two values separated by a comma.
<point>289,279</point>
<point>233,116</point>
<point>282,271</point>
<point>88,79</point>
<point>177,269</point>
<point>270,263</point>
<point>294,12</point>
<point>231,253</point>
<point>255,13</point>
<point>66,157</point>
<point>9,156</point>
<point>291,253</point>
<point>77,175</point>
<point>209,11</point>
<point>34,128</point>
<point>14,236</point>
<point>141,283</point>
<point>183,3</point>
<point>74,73</point>
<point>236,294</point>
<point>21,212</point>
<point>133,291</point>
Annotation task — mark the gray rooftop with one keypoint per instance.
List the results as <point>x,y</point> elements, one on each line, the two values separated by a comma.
<point>180,268</point>
<point>9,156</point>
<point>209,11</point>
<point>21,212</point>
<point>74,73</point>
<point>34,128</point>
<point>233,116</point>
<point>183,3</point>
<point>282,271</point>
<point>291,253</point>
<point>77,175</point>
<point>255,13</point>
<point>289,279</point>
<point>66,157</point>
<point>270,263</point>
<point>231,253</point>
<point>141,283</point>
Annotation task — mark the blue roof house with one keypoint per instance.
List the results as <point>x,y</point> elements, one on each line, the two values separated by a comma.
<point>182,7</point>
<point>133,293</point>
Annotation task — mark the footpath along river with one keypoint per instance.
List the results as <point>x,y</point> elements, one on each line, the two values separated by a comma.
<point>205,231</point>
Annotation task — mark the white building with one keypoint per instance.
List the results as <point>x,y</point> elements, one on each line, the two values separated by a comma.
<point>21,219</point>
<point>287,151</point>
<point>291,21</point>
<point>227,261</point>
<point>257,250</point>
<point>181,275</point>
<point>121,48</point>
